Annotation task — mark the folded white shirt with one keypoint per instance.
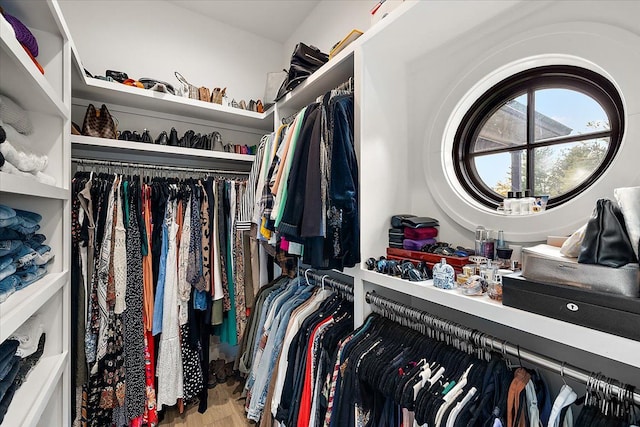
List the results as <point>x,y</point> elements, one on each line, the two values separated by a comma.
<point>16,149</point>
<point>28,335</point>
<point>38,176</point>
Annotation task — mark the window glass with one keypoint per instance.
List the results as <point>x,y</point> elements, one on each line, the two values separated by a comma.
<point>561,168</point>
<point>507,127</point>
<point>563,112</point>
<point>503,172</point>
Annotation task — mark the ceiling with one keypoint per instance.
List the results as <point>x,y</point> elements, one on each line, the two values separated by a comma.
<point>272,19</point>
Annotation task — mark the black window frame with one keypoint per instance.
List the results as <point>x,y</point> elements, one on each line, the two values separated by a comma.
<point>529,81</point>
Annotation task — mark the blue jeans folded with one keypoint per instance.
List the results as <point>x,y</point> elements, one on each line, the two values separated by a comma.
<point>9,247</point>
<point>8,380</point>
<point>6,401</point>
<point>9,222</point>
<point>7,271</point>
<point>5,261</point>
<point>9,234</point>
<point>29,275</point>
<point>7,216</point>
<point>35,240</point>
<point>8,287</point>
<point>6,364</point>
<point>6,212</point>
<point>27,217</point>
<point>26,230</point>
<point>24,256</point>
<point>7,349</point>
<point>43,255</point>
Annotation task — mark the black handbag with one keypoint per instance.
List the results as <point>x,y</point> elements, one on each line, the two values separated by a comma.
<point>606,241</point>
<point>304,61</point>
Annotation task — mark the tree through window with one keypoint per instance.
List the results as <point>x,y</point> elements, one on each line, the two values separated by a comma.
<point>553,130</point>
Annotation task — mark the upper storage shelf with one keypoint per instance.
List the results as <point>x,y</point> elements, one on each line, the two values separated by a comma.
<point>116,93</point>
<point>20,79</point>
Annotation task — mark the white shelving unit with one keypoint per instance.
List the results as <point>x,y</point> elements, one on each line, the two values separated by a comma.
<point>45,395</point>
<point>610,346</point>
<point>116,93</point>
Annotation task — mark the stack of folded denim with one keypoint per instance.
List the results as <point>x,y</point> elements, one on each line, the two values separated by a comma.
<point>24,256</point>
<point>16,155</point>
<point>18,355</point>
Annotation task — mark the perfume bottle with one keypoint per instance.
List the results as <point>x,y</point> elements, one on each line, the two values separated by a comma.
<point>443,275</point>
<point>507,203</point>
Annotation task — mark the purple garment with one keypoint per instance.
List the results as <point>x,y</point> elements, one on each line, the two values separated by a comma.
<point>23,35</point>
<point>416,245</point>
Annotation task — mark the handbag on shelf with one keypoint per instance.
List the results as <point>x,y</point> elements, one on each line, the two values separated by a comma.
<point>216,141</point>
<point>217,95</point>
<point>305,60</point>
<point>99,123</point>
<point>606,241</point>
<point>205,95</point>
<point>188,90</point>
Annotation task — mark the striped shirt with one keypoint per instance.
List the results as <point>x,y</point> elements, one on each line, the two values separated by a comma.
<point>248,198</point>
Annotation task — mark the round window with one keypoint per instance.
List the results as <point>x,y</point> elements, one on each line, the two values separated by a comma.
<point>553,130</point>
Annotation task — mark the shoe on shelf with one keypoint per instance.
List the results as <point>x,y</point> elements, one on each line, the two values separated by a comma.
<point>173,138</point>
<point>146,137</point>
<point>252,106</point>
<point>259,106</point>
<point>242,105</point>
<point>162,139</point>
<point>234,103</point>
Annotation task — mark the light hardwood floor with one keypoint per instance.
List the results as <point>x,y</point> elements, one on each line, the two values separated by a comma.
<point>225,410</point>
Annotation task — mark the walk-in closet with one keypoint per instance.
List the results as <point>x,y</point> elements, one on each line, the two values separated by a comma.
<point>319,213</point>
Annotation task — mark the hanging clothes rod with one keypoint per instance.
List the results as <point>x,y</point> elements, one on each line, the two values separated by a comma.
<point>347,86</point>
<point>154,167</point>
<point>336,284</point>
<point>419,319</point>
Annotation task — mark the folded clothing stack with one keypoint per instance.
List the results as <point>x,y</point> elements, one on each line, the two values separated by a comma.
<point>18,355</point>
<point>412,232</point>
<point>24,256</point>
<point>396,232</point>
<point>416,238</point>
<point>16,157</point>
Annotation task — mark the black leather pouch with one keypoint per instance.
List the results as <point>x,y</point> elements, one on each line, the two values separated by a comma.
<point>606,241</point>
<point>396,220</point>
<point>420,222</point>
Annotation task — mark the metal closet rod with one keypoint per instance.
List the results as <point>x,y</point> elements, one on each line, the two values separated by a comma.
<point>492,343</point>
<point>155,167</point>
<point>324,278</point>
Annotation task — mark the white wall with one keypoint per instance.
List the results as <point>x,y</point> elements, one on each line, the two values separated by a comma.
<point>156,38</point>
<point>327,24</point>
<point>602,36</point>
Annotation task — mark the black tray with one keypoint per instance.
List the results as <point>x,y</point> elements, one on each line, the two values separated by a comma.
<point>605,312</point>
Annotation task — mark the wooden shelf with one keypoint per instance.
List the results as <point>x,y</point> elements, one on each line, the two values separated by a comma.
<point>21,80</point>
<point>30,187</point>
<point>24,303</point>
<point>621,349</point>
<point>116,93</point>
<point>33,396</point>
